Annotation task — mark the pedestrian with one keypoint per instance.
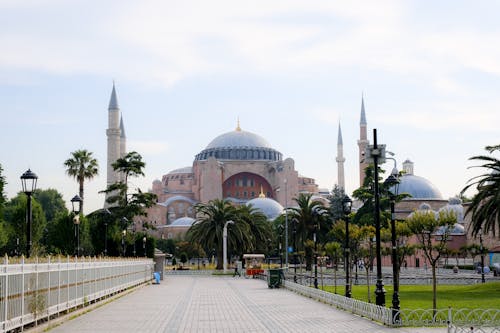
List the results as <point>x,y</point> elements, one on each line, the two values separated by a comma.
<point>236,272</point>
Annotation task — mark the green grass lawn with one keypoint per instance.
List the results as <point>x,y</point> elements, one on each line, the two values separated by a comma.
<point>478,296</point>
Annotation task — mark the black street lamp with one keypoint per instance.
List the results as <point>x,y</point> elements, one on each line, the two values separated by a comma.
<point>481,249</point>
<point>346,207</point>
<point>280,235</point>
<point>392,183</point>
<point>76,200</point>
<point>295,221</point>
<point>28,180</point>
<point>106,213</point>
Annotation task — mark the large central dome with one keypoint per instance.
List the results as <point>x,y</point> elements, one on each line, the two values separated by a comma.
<point>239,145</point>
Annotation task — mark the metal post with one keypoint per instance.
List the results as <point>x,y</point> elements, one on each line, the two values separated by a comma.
<point>224,246</point>
<point>295,251</point>
<point>29,217</point>
<point>379,291</point>
<point>395,271</point>
<point>105,239</point>
<point>348,292</point>
<point>315,259</point>
<point>286,224</point>
<point>482,255</point>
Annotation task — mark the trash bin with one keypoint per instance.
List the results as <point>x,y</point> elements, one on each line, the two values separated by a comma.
<point>156,276</point>
<point>274,278</point>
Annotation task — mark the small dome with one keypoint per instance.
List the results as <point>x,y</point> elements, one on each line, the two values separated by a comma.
<point>458,229</point>
<point>269,207</point>
<point>183,222</point>
<point>187,169</point>
<point>418,187</point>
<point>455,205</point>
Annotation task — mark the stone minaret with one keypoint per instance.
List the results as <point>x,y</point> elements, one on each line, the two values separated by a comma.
<point>362,143</point>
<point>340,161</point>
<point>123,145</point>
<point>114,135</point>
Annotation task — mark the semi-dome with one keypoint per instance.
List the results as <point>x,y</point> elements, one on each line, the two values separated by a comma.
<point>269,207</point>
<point>185,221</point>
<point>455,205</point>
<point>187,169</point>
<point>239,145</point>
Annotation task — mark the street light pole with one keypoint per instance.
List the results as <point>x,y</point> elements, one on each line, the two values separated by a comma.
<point>294,250</point>
<point>482,254</point>
<point>286,224</point>
<point>144,239</point>
<point>224,245</point>
<point>376,154</point>
<point>315,257</point>
<point>76,200</point>
<point>392,183</point>
<point>28,180</point>
<point>347,205</point>
<point>107,213</point>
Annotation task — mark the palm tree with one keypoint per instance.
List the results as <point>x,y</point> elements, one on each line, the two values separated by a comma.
<point>81,166</point>
<point>208,227</point>
<point>260,228</point>
<point>485,206</point>
<point>312,216</point>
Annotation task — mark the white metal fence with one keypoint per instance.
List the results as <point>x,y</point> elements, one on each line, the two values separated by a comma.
<point>30,292</point>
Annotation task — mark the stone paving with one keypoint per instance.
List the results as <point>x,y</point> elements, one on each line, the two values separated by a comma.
<point>221,304</point>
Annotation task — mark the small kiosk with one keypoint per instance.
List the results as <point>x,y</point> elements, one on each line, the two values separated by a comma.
<point>254,264</point>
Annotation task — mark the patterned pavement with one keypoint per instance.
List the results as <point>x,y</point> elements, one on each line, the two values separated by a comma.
<point>221,304</point>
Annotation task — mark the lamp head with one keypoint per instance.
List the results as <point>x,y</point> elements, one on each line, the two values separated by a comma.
<point>74,200</point>
<point>28,180</point>
<point>392,183</point>
<point>346,205</point>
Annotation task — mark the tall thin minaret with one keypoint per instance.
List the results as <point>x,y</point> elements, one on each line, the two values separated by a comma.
<point>114,134</point>
<point>362,143</point>
<point>340,160</point>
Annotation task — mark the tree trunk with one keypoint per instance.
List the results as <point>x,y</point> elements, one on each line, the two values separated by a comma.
<point>81,196</point>
<point>434,289</point>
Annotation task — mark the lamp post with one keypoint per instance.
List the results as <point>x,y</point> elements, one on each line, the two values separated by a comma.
<point>144,239</point>
<point>124,233</point>
<point>224,245</point>
<point>392,183</point>
<point>76,200</point>
<point>376,153</point>
<point>481,249</point>
<point>28,180</point>
<point>286,223</point>
<point>346,207</point>
<point>280,235</point>
<point>295,221</point>
<point>107,213</point>
<point>315,256</point>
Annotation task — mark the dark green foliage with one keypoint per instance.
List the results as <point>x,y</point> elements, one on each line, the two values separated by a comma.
<point>485,206</point>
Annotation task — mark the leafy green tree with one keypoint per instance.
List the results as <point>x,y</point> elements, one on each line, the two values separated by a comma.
<point>334,252</point>
<point>485,206</point>
<point>51,201</point>
<point>432,232</point>
<point>15,219</point>
<point>61,235</point>
<point>336,203</point>
<point>81,166</point>
<point>124,203</point>
<point>4,235</point>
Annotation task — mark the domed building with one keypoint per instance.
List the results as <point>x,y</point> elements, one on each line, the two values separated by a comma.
<point>237,165</point>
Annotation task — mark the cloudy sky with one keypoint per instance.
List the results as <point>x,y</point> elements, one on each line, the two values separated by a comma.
<point>290,70</point>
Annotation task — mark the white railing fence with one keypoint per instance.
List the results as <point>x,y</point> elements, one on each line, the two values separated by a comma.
<point>34,291</point>
<point>457,320</point>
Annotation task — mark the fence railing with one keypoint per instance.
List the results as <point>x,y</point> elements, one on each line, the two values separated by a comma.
<point>34,291</point>
<point>457,320</point>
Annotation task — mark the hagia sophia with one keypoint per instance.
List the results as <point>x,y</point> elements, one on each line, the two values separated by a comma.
<point>245,168</point>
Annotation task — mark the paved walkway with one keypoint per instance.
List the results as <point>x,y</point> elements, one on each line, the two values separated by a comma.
<point>221,304</point>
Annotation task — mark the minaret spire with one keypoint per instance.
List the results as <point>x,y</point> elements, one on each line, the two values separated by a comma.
<point>115,135</point>
<point>362,142</point>
<point>340,160</point>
